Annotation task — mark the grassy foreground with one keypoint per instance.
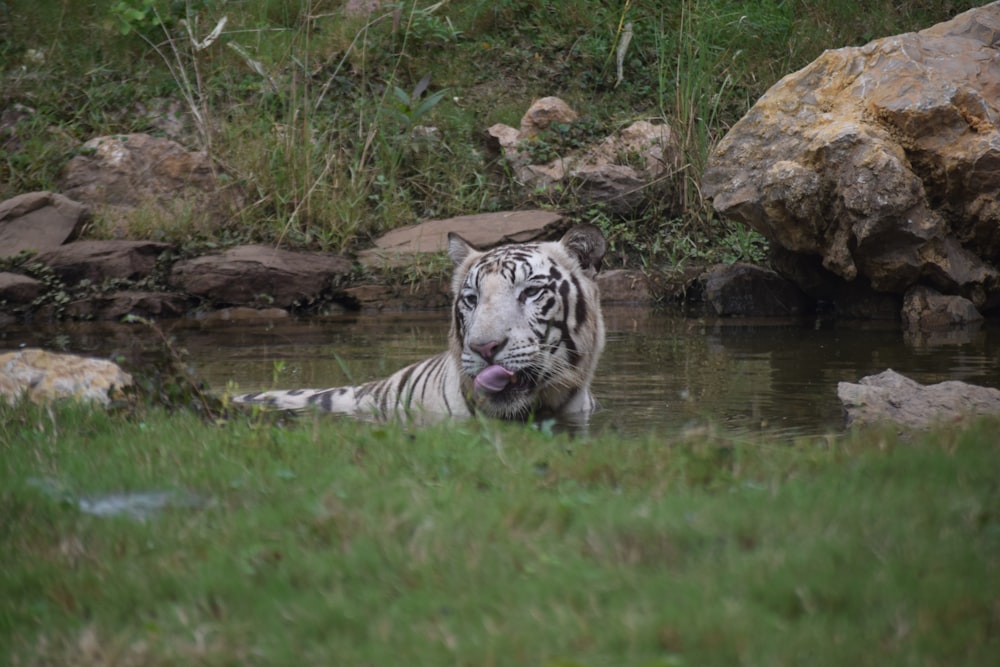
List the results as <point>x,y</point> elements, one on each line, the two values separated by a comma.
<point>336,543</point>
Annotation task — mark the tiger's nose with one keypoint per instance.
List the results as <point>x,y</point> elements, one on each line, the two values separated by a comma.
<point>488,350</point>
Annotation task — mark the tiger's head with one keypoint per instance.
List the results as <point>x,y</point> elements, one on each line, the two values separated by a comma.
<point>527,330</point>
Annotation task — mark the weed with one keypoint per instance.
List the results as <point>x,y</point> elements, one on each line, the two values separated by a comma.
<point>408,108</point>
<point>174,385</point>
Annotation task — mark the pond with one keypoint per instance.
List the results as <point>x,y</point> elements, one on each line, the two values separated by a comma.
<point>660,370</point>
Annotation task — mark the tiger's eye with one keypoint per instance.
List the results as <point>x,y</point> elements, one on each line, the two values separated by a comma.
<point>530,292</point>
<point>470,300</point>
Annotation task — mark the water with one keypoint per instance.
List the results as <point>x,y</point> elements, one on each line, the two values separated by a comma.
<point>659,372</point>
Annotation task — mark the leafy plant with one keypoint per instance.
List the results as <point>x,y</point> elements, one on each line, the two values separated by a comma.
<point>407,109</point>
<point>173,384</point>
<point>138,15</point>
<point>743,244</point>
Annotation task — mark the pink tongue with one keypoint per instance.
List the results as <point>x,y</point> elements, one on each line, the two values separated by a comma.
<point>493,379</point>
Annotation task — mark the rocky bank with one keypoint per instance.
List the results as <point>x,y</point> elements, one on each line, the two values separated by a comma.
<point>874,172</point>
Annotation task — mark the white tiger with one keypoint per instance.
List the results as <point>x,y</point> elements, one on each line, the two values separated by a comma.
<point>525,338</point>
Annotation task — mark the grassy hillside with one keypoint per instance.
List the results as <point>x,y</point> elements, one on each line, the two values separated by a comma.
<point>313,109</point>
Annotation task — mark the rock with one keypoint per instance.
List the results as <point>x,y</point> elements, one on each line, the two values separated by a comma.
<point>847,300</point>
<point>243,314</point>
<point>485,230</point>
<point>882,160</point>
<point>45,376</point>
<point>542,113</point>
<point>17,290</point>
<point>11,118</point>
<point>256,275</point>
<point>116,305</point>
<point>624,286</point>
<point>435,293</point>
<point>97,261</point>
<point>616,171</point>
<point>39,221</point>
<point>118,174</point>
<point>891,397</point>
<point>746,290</point>
<point>927,309</point>
<point>361,8</point>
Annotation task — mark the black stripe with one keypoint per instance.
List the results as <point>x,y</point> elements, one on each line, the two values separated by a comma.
<point>459,322</point>
<point>427,373</point>
<point>401,387</point>
<point>581,305</point>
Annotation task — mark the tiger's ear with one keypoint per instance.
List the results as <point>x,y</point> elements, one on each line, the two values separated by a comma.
<point>459,249</point>
<point>587,244</point>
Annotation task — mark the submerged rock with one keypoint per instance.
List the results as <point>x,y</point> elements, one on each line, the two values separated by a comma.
<point>895,398</point>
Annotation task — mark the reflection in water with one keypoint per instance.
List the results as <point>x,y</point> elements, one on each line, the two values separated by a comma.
<point>659,371</point>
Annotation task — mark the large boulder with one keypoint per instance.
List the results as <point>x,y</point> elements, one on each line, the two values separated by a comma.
<point>118,174</point>
<point>893,398</point>
<point>882,160</point>
<point>255,275</point>
<point>616,171</point>
<point>43,376</point>
<point>39,221</point>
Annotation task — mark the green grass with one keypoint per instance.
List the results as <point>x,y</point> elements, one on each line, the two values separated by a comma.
<point>299,102</point>
<point>334,542</point>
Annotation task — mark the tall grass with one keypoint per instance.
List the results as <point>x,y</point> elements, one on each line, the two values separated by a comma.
<point>299,102</point>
